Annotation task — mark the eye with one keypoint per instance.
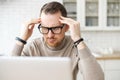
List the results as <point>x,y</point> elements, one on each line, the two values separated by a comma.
<point>56,28</point>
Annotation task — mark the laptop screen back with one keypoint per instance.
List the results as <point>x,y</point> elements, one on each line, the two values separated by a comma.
<point>35,68</point>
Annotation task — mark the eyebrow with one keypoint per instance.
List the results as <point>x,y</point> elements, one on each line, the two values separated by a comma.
<point>53,26</point>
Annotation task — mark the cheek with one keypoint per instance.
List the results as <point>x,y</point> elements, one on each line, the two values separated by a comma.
<point>58,37</point>
<point>61,36</point>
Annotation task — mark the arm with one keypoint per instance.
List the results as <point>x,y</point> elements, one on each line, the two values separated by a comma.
<point>26,32</point>
<point>91,70</point>
<point>88,65</point>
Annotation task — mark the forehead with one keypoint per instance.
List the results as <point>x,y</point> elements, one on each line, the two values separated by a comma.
<point>50,19</point>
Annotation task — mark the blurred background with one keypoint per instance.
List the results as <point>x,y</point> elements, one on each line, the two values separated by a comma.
<point>99,19</point>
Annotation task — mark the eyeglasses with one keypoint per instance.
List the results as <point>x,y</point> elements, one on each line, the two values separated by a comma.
<point>54,30</point>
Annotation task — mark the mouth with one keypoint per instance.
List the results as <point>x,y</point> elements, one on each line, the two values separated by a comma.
<point>51,40</point>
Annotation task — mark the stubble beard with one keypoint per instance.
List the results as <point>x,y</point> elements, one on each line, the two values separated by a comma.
<point>52,42</point>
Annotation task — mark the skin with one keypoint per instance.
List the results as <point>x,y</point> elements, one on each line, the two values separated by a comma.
<point>51,39</point>
<point>53,20</point>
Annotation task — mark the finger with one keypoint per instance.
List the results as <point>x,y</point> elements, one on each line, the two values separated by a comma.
<point>62,20</point>
<point>31,27</point>
<point>61,17</point>
<point>34,21</point>
<point>67,20</point>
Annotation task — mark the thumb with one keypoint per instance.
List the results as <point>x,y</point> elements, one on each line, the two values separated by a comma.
<point>31,27</point>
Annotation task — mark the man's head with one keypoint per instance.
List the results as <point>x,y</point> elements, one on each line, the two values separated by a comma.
<point>54,7</point>
<point>50,15</point>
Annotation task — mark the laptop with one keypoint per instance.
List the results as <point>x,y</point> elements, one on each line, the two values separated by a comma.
<point>35,68</point>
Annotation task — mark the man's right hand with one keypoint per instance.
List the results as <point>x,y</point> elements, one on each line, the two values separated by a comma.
<point>27,29</point>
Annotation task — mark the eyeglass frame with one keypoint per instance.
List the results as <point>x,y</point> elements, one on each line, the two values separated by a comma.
<point>61,27</point>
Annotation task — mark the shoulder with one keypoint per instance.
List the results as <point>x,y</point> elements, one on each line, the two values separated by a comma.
<point>34,42</point>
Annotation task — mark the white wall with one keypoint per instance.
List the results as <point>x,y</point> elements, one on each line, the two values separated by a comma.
<point>14,12</point>
<point>100,41</point>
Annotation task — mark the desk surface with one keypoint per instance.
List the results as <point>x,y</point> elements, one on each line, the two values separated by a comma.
<point>114,56</point>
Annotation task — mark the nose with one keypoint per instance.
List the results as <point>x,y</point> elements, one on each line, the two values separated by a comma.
<point>50,34</point>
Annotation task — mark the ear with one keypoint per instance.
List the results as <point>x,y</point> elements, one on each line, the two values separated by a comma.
<point>66,27</point>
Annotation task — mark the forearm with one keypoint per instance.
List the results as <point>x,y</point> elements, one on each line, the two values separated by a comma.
<point>17,49</point>
<point>91,70</point>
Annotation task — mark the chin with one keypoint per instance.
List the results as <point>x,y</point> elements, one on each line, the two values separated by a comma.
<point>52,45</point>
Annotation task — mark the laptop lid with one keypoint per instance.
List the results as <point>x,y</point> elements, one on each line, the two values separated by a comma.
<point>35,68</point>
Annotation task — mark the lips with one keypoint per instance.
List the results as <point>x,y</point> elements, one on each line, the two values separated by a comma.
<point>51,40</point>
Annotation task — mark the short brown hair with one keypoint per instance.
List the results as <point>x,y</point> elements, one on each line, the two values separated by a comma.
<point>53,7</point>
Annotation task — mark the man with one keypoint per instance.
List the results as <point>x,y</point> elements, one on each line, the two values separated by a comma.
<point>53,23</point>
